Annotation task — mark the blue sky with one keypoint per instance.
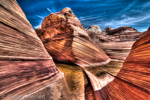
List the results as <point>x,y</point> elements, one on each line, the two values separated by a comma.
<point>104,13</point>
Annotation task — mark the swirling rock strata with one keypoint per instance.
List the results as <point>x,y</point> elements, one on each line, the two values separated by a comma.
<point>25,65</point>
<point>121,34</point>
<point>67,41</point>
<point>116,43</point>
<point>133,81</point>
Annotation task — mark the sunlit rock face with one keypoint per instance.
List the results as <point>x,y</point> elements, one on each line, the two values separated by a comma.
<point>133,81</point>
<point>94,29</point>
<point>67,41</point>
<point>25,66</point>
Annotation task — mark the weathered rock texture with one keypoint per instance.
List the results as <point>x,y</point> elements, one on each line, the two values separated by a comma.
<point>120,34</point>
<point>67,41</point>
<point>116,43</point>
<point>25,66</point>
<point>27,72</point>
<point>93,29</point>
<point>133,81</point>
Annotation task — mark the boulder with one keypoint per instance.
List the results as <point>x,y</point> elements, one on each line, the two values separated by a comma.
<point>94,29</point>
<point>67,41</point>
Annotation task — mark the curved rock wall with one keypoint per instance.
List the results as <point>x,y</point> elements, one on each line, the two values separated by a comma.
<point>25,65</point>
<point>132,82</point>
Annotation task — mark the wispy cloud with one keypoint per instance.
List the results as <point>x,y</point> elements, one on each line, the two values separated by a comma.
<point>128,21</point>
<point>35,27</point>
<point>82,18</point>
<point>142,30</point>
<point>104,13</point>
<point>41,17</point>
<point>129,6</point>
<point>49,10</point>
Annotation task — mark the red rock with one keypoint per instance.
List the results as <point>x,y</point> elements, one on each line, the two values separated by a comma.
<point>121,34</point>
<point>37,71</point>
<point>67,41</point>
<point>116,43</point>
<point>133,81</point>
<point>25,66</point>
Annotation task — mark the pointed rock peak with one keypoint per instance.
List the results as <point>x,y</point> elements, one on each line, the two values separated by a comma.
<point>67,10</point>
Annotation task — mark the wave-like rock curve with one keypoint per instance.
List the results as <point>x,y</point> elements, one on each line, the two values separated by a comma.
<point>25,65</point>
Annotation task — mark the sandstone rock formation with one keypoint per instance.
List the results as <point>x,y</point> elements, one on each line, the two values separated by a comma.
<point>107,29</point>
<point>133,81</point>
<point>67,41</point>
<point>121,34</point>
<point>25,66</point>
<point>27,71</point>
<point>93,29</point>
<point>116,42</point>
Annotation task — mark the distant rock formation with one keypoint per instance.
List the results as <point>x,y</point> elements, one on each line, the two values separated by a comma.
<point>25,66</point>
<point>120,34</point>
<point>93,29</point>
<point>123,29</point>
<point>67,41</point>
<point>107,29</point>
<point>116,42</point>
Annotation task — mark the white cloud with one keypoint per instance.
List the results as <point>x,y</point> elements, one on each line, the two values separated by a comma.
<point>128,21</point>
<point>39,25</point>
<point>142,30</point>
<point>49,10</point>
<point>88,18</point>
<point>129,6</point>
<point>42,17</point>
